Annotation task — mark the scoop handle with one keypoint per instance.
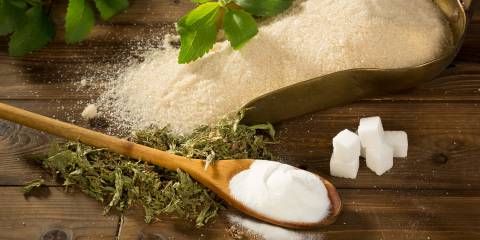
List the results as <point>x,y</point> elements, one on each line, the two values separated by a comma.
<point>467,4</point>
<point>92,138</point>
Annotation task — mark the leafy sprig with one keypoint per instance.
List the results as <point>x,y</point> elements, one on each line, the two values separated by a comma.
<point>199,28</point>
<point>32,28</point>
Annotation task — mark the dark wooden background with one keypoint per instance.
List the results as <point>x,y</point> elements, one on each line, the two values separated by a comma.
<point>432,194</point>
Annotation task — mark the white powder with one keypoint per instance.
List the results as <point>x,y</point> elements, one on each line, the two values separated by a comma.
<point>281,192</point>
<point>271,232</point>
<point>313,38</point>
<point>90,111</point>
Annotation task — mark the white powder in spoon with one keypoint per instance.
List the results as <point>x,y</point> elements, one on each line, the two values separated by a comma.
<point>313,38</point>
<point>282,192</point>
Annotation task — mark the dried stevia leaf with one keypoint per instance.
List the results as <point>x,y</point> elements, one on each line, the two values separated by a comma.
<point>120,182</point>
<point>29,186</point>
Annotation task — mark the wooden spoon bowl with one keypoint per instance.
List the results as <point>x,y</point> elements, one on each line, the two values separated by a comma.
<point>216,177</point>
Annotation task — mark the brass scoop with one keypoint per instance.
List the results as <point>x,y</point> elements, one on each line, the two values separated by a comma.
<point>346,86</point>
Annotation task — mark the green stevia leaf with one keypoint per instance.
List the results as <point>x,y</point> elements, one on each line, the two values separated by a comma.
<point>78,21</point>
<point>263,8</point>
<point>198,31</point>
<point>196,43</point>
<point>202,16</point>
<point>110,8</point>
<point>10,16</point>
<point>239,27</point>
<point>35,33</point>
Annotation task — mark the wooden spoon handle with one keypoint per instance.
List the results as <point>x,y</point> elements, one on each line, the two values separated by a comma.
<point>92,138</point>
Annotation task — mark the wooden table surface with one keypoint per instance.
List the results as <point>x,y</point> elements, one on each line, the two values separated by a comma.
<point>432,194</point>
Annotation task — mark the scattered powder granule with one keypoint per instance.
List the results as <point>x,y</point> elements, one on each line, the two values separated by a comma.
<point>281,192</point>
<point>312,38</point>
<point>267,231</point>
<point>83,83</point>
<point>89,112</point>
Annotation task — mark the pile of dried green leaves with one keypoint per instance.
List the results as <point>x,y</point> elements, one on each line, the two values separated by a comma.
<point>120,182</point>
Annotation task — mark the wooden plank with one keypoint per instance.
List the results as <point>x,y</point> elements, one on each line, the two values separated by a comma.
<point>367,214</point>
<point>64,110</point>
<point>443,154</point>
<point>31,78</point>
<point>62,63</point>
<point>443,143</point>
<point>150,15</point>
<point>147,12</point>
<point>117,43</point>
<point>461,82</point>
<point>53,214</point>
<point>470,49</point>
<point>140,12</point>
<point>19,144</point>
<point>443,137</point>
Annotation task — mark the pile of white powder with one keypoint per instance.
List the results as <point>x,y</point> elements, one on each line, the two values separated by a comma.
<point>270,232</point>
<point>281,192</point>
<point>313,38</point>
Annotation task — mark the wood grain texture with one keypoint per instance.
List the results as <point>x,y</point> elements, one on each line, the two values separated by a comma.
<point>443,137</point>
<point>444,146</point>
<point>140,12</point>
<point>51,71</point>
<point>457,83</point>
<point>433,194</point>
<point>52,213</point>
<point>19,144</point>
<point>367,214</point>
<point>17,147</point>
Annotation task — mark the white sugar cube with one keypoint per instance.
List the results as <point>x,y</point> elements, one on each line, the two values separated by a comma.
<point>398,140</point>
<point>363,152</point>
<point>346,151</point>
<point>339,168</point>
<point>370,131</point>
<point>363,149</point>
<point>346,146</point>
<point>379,158</point>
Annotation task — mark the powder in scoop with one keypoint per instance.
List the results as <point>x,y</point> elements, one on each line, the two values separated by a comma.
<point>312,38</point>
<point>281,192</point>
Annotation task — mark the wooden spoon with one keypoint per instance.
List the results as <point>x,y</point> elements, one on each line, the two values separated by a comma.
<point>216,177</point>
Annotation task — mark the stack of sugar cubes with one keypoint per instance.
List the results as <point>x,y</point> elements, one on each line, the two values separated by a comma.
<point>378,147</point>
